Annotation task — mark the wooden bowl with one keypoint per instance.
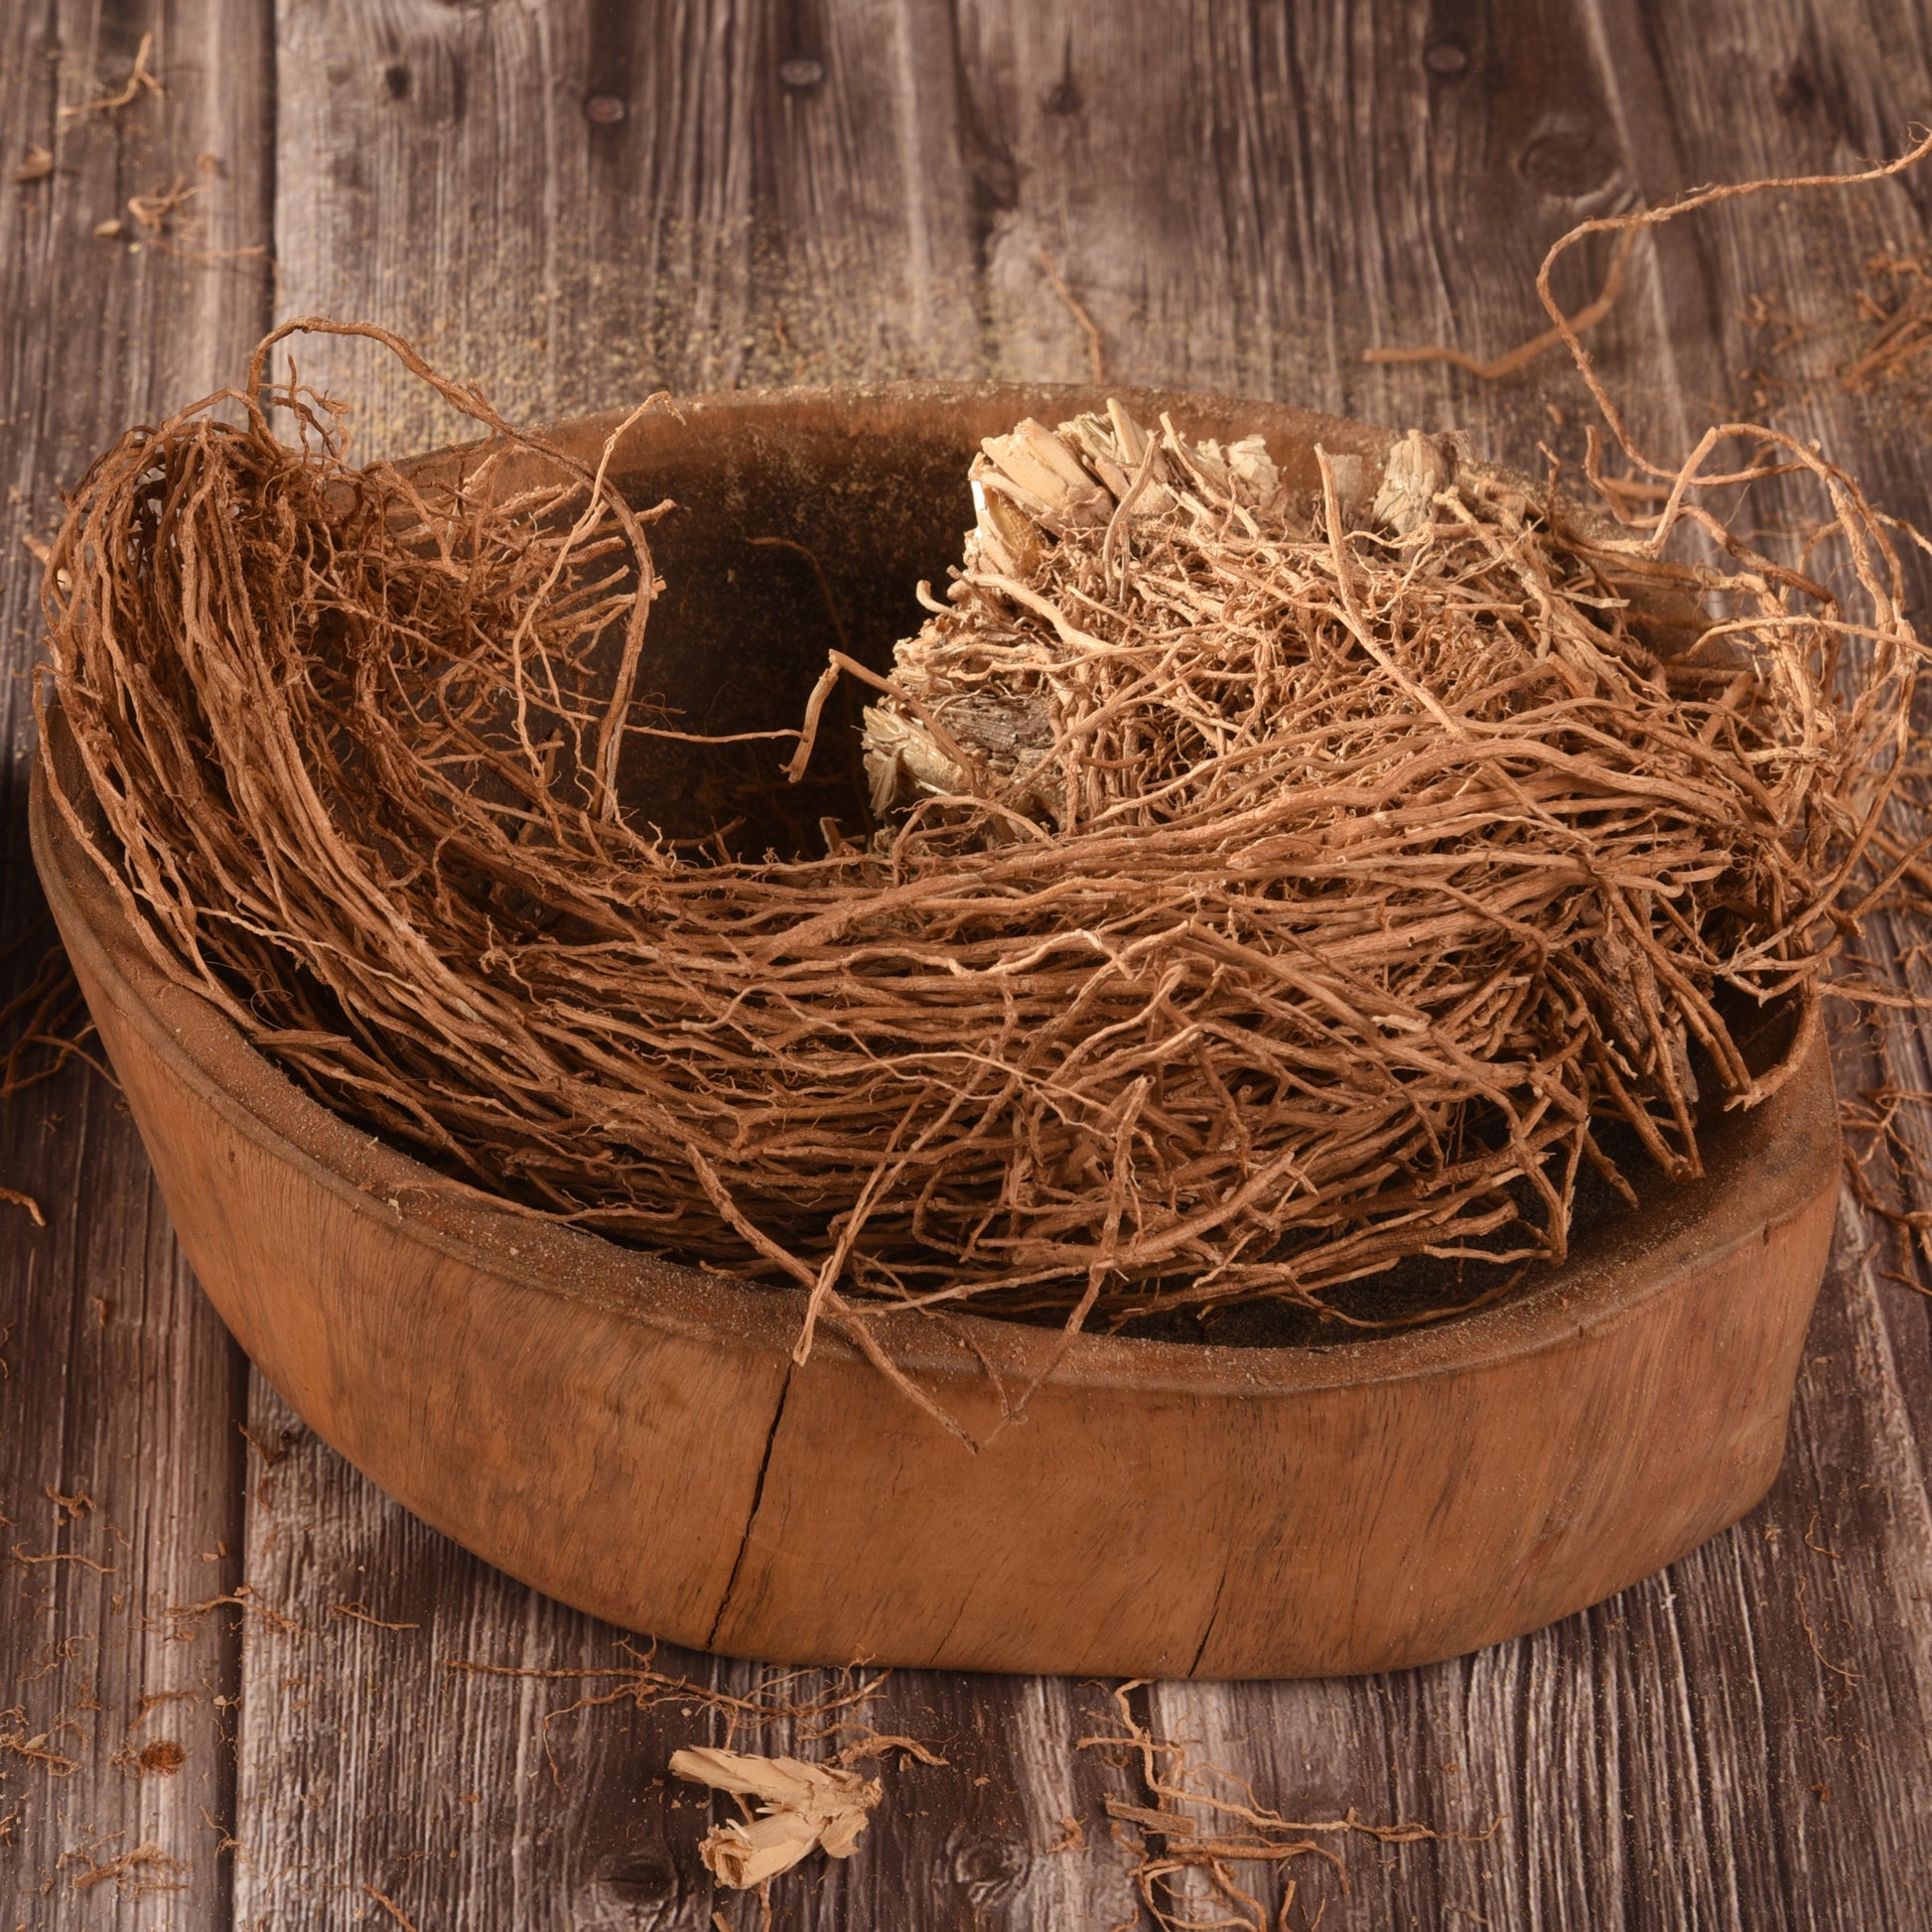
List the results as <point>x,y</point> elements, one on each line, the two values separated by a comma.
<point>631,1436</point>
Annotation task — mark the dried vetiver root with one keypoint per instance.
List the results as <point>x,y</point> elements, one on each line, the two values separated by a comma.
<point>1277,882</point>
<point>1484,782</point>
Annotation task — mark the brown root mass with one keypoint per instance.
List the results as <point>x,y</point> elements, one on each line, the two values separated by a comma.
<point>1273,887</point>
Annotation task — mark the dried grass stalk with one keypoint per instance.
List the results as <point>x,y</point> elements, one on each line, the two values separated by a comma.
<point>1274,888</point>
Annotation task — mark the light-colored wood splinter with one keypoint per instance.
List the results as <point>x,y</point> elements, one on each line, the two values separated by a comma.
<point>803,1808</point>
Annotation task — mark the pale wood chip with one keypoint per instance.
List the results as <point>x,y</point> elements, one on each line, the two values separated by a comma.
<point>803,1808</point>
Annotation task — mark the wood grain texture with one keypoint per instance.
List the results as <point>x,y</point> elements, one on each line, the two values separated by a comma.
<point>1243,197</point>
<point>120,1390</point>
<point>1247,198</point>
<point>443,173</point>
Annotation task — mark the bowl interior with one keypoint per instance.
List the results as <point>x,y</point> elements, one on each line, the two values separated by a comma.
<point>779,552</point>
<point>802,526</point>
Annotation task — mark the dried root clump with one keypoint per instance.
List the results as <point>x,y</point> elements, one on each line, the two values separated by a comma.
<point>1426,829</point>
<point>1283,875</point>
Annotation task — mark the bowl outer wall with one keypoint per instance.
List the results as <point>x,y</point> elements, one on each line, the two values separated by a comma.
<point>633,1438</point>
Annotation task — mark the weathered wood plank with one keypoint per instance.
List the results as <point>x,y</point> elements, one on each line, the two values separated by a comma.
<point>578,204</point>
<point>1245,199</point>
<point>862,264</point>
<point>121,1389</point>
<point>1397,179</point>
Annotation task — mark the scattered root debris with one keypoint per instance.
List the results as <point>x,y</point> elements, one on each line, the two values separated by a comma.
<point>803,1808</point>
<point>39,1748</point>
<point>140,81</point>
<point>1895,319</point>
<point>54,1655</point>
<point>1843,1671</point>
<point>157,226</point>
<point>15,1198</point>
<point>225,1841</point>
<point>361,1614</point>
<point>816,1704</point>
<point>154,211</point>
<point>1899,321</point>
<point>1886,1129</point>
<point>1524,354</point>
<point>37,166</point>
<point>145,1857</point>
<point>1096,348</point>
<point>182,1619</point>
<point>1761,312</point>
<point>270,1452</point>
<point>21,1554</point>
<point>1072,1837</point>
<point>153,1701</point>
<point>1883,346</point>
<point>46,1023</point>
<point>391,1906</point>
<point>162,1758</point>
<point>1207,1820</point>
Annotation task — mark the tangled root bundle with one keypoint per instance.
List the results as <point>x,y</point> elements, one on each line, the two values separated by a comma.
<point>1272,885</point>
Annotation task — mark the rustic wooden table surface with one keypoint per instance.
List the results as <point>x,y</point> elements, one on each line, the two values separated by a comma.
<point>576,202</point>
